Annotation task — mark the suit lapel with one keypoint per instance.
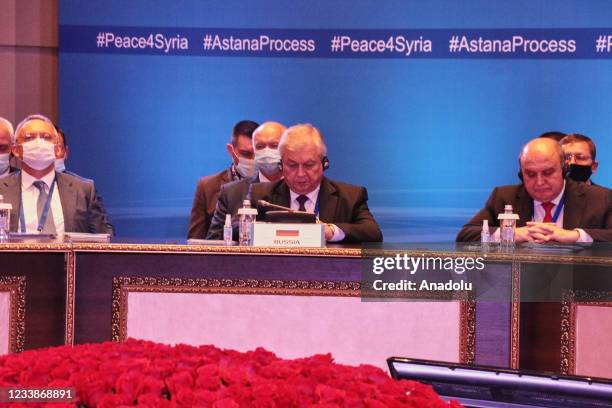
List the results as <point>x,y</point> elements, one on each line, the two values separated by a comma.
<point>12,194</point>
<point>280,195</point>
<point>68,199</point>
<point>525,209</point>
<point>574,205</point>
<point>328,201</point>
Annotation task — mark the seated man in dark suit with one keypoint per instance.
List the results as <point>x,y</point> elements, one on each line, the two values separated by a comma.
<point>267,158</point>
<point>551,208</point>
<point>342,207</point>
<point>240,151</point>
<point>44,200</point>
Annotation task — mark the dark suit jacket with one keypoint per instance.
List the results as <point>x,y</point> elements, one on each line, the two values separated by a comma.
<point>586,207</point>
<point>230,200</point>
<point>341,204</point>
<point>205,201</point>
<point>82,209</point>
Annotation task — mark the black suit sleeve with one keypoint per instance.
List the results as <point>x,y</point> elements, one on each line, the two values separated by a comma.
<point>362,226</point>
<point>471,231</point>
<point>599,229</point>
<point>215,231</point>
<point>97,221</point>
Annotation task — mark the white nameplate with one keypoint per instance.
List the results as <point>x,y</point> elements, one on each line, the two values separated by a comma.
<point>270,234</point>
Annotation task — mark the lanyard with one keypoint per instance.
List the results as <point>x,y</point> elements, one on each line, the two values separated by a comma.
<point>318,204</point>
<point>557,212</point>
<point>45,213</point>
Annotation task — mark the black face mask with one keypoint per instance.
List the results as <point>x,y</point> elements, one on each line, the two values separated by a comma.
<point>580,172</point>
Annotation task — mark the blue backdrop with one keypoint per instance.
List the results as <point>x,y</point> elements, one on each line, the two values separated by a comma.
<point>428,136</point>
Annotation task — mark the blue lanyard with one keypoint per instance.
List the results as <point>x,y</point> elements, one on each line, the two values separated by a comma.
<point>557,212</point>
<point>45,213</point>
<point>318,204</point>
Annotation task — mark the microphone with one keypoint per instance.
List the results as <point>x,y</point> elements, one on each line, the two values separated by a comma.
<point>264,203</point>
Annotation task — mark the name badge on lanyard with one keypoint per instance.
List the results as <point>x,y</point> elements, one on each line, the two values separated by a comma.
<point>45,212</point>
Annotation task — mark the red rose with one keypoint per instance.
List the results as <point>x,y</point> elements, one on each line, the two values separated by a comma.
<point>184,397</point>
<point>225,403</point>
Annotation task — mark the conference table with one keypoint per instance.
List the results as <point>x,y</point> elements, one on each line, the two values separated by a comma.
<point>545,309</point>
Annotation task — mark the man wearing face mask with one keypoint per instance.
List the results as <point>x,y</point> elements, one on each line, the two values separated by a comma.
<point>240,150</point>
<point>267,159</point>
<point>342,207</point>
<point>580,151</point>
<point>6,135</point>
<point>44,200</point>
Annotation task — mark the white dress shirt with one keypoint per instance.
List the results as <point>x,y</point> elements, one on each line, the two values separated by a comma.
<point>310,205</point>
<point>539,212</point>
<point>29,198</point>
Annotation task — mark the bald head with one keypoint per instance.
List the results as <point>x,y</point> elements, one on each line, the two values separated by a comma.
<point>541,163</point>
<point>266,134</point>
<point>265,144</point>
<point>540,148</point>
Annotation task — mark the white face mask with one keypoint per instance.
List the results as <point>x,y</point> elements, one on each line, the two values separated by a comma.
<point>245,167</point>
<point>60,166</point>
<point>38,154</point>
<point>5,162</point>
<point>268,160</point>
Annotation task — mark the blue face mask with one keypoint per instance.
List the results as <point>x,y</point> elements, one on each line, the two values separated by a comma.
<point>268,160</point>
<point>60,166</point>
<point>5,162</point>
<point>246,167</point>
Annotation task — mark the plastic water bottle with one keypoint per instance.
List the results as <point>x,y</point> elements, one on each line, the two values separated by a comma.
<point>507,222</point>
<point>247,218</point>
<point>5,219</point>
<point>485,236</point>
<point>227,230</point>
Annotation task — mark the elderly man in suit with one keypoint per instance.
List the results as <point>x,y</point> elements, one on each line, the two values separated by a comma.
<point>551,208</point>
<point>240,151</point>
<point>45,200</point>
<point>342,207</point>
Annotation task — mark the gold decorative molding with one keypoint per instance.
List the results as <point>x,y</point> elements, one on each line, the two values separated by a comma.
<point>122,286</point>
<point>216,249</point>
<point>15,285</point>
<point>570,301</point>
<point>35,247</point>
<point>515,316</point>
<point>467,346</point>
<point>70,293</point>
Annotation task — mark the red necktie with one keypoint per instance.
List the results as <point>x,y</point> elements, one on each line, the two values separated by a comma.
<point>547,211</point>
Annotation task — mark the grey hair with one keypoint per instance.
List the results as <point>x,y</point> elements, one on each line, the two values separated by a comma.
<point>293,138</point>
<point>9,127</point>
<point>36,116</point>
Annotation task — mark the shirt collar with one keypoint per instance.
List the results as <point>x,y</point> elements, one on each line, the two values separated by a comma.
<point>555,200</point>
<point>312,196</point>
<point>27,180</point>
<point>262,178</point>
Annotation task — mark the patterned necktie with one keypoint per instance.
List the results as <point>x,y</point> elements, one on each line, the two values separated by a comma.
<point>301,199</point>
<point>548,206</point>
<point>49,227</point>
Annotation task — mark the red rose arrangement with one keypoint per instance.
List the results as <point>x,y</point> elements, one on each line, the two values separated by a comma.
<point>148,374</point>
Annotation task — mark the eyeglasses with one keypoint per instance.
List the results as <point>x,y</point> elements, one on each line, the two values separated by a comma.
<point>578,157</point>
